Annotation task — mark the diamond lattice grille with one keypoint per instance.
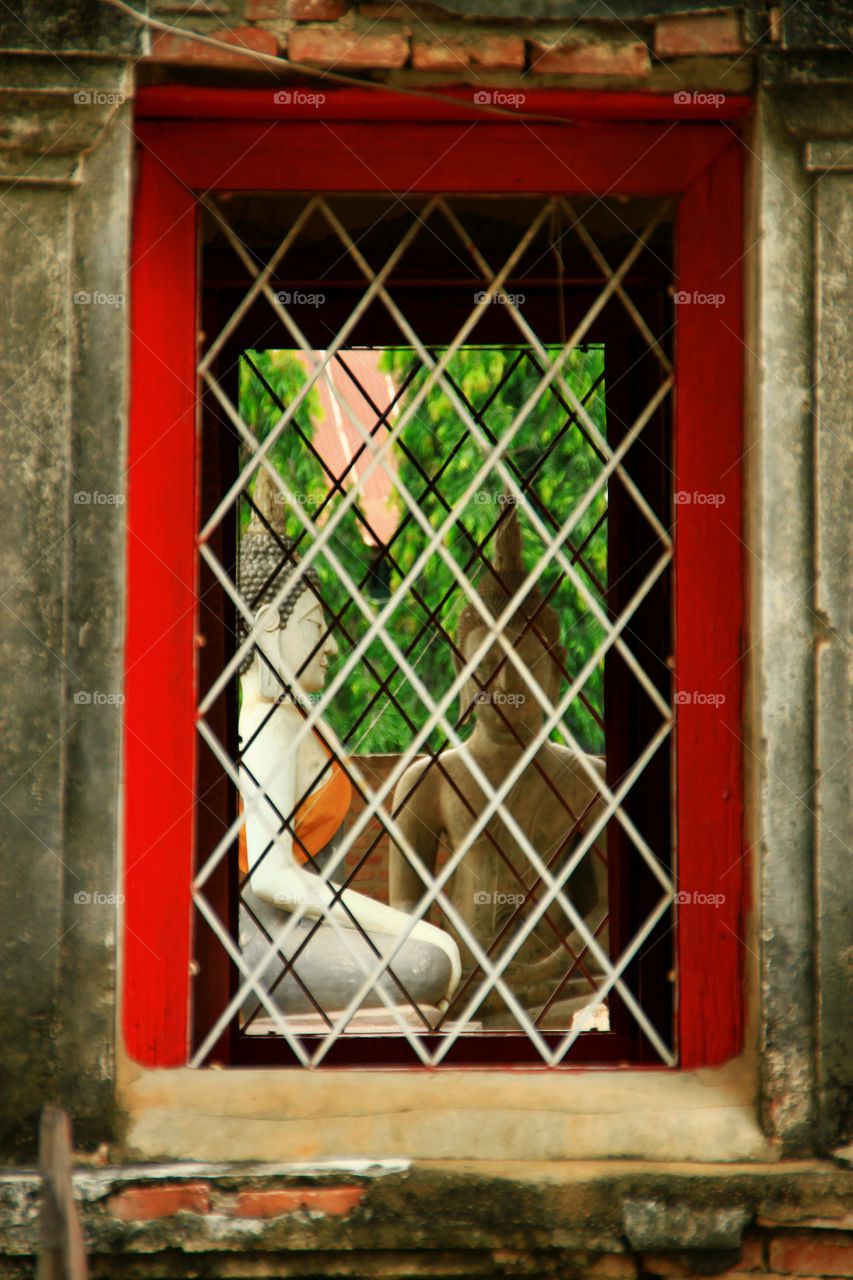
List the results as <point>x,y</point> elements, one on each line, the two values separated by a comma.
<point>458,478</point>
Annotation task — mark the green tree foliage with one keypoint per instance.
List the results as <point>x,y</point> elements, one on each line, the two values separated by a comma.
<point>438,459</point>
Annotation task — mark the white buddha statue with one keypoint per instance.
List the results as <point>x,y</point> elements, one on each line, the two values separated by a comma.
<point>290,830</point>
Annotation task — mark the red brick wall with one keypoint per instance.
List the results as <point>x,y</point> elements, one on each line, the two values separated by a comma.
<point>819,1249</point>
<point>768,1255</point>
<point>427,43</point>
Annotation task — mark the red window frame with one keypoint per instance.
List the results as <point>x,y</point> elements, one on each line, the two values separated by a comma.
<point>191,141</point>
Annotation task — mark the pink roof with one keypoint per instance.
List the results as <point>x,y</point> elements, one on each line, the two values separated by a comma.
<point>340,443</point>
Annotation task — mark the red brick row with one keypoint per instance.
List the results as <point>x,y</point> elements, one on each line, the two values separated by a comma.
<point>391,36</point>
<point>144,1204</point>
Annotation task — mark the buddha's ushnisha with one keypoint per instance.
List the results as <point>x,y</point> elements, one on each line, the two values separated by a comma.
<point>439,806</point>
<point>292,826</point>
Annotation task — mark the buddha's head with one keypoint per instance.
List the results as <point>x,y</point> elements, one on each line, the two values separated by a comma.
<point>292,640</point>
<point>500,696</point>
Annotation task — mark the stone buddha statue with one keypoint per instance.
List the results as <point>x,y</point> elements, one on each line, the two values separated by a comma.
<point>553,803</point>
<point>291,831</point>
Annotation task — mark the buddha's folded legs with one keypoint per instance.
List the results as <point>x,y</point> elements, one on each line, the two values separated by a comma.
<point>333,963</point>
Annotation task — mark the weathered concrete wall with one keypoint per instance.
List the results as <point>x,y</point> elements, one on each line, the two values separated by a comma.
<point>800,542</point>
<point>34,710</point>
<point>56,27</point>
<point>831,163</point>
<point>781,573</point>
<point>63,378</point>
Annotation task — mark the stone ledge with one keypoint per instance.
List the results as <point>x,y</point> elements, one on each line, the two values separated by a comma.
<point>519,1207</point>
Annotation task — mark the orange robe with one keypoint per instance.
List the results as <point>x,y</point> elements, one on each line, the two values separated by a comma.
<point>318,816</point>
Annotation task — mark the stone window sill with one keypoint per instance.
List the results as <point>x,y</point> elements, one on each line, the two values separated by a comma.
<point>707,1115</point>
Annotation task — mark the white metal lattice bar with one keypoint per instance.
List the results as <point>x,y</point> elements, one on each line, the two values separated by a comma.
<point>439,553</point>
<point>303,391</point>
<point>250,983</point>
<point>663,1050</point>
<point>257,284</point>
<point>474,430</point>
<point>554,891</point>
<point>624,297</point>
<point>614,284</point>
<point>338,515</point>
<point>291,924</point>
<point>496,635</point>
<point>367,270</point>
<point>523,413</point>
<point>463,850</point>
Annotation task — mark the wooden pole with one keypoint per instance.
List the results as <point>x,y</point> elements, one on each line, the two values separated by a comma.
<point>61,1255</point>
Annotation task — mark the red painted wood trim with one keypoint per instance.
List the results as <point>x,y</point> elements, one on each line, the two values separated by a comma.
<point>159,710</point>
<point>184,102</point>
<point>587,159</point>
<point>709,614</point>
<point>699,160</point>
